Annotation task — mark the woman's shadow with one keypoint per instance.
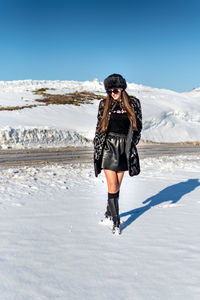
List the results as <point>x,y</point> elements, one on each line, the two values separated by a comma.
<point>173,192</point>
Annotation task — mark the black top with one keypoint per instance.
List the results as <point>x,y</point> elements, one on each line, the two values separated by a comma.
<point>119,121</point>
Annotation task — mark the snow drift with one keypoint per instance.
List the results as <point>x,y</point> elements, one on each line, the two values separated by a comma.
<point>40,138</point>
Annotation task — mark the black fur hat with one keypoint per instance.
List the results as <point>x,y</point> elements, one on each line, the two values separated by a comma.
<point>115,81</point>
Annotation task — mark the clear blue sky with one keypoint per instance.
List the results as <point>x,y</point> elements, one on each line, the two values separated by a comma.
<point>155,43</point>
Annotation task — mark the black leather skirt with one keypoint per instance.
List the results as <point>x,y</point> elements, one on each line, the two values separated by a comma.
<point>114,157</point>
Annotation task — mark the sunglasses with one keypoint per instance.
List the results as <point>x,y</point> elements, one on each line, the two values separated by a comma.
<point>114,91</point>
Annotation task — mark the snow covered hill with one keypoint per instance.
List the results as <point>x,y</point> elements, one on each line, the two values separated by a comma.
<point>168,116</point>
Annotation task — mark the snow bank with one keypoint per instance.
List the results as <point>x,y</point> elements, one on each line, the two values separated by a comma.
<point>40,138</point>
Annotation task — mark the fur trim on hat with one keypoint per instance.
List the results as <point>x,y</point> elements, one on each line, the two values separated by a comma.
<point>115,81</point>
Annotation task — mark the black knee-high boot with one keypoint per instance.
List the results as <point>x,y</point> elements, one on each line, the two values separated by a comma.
<point>117,204</point>
<point>108,212</point>
<point>114,207</point>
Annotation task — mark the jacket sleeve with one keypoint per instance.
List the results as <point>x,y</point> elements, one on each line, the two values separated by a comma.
<point>138,115</point>
<point>98,141</point>
<point>100,112</point>
<point>99,117</point>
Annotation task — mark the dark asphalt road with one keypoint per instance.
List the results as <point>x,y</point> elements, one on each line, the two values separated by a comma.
<point>66,155</point>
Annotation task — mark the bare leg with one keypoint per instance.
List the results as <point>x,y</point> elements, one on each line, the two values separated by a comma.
<point>120,177</point>
<point>114,180</point>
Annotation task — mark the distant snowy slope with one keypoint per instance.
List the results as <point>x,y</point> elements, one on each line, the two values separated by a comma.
<point>194,91</point>
<point>168,116</point>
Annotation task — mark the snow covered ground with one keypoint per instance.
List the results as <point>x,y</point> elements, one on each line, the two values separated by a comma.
<point>52,246</point>
<point>168,116</point>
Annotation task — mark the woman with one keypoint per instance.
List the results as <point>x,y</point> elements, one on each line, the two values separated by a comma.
<point>118,131</point>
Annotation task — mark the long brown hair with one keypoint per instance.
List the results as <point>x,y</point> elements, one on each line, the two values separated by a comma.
<point>125,103</point>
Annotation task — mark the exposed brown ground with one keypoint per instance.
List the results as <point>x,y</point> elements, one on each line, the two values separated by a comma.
<point>75,98</point>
